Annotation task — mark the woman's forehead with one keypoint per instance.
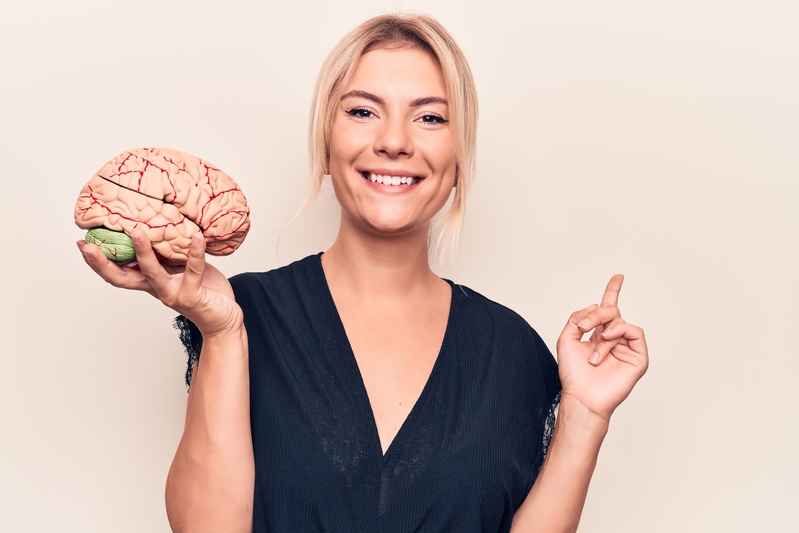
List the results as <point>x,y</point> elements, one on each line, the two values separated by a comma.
<point>408,71</point>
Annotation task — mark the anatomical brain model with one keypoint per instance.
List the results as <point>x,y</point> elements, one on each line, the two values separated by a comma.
<point>168,194</point>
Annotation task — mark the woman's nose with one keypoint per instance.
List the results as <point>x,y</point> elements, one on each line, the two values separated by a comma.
<point>394,139</point>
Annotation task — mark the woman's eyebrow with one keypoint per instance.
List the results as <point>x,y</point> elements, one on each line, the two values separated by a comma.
<point>426,100</point>
<point>429,100</point>
<point>363,94</point>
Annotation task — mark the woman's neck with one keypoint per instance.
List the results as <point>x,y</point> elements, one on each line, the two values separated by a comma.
<point>378,265</point>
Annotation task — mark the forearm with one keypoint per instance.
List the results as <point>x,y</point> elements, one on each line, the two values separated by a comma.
<point>210,483</point>
<point>555,502</point>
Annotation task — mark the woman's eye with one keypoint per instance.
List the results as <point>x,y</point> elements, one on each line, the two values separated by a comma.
<point>360,112</point>
<point>432,119</point>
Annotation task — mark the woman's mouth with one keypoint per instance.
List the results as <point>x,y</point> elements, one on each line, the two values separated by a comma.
<point>391,180</point>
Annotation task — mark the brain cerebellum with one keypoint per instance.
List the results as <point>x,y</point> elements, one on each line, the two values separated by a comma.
<point>170,195</point>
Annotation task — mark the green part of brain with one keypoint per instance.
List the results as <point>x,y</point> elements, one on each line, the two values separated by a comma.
<point>116,245</point>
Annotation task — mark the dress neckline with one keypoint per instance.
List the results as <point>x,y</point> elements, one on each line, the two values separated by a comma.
<point>351,367</point>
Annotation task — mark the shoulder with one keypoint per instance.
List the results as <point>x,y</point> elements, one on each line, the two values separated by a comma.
<point>485,320</point>
<point>488,327</point>
<point>286,279</point>
<point>301,267</point>
<point>479,308</point>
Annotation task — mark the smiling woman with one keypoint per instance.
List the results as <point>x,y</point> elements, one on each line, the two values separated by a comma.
<point>356,390</point>
<point>419,34</point>
<point>392,159</point>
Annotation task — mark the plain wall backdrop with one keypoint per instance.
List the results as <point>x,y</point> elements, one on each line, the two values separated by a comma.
<point>657,139</point>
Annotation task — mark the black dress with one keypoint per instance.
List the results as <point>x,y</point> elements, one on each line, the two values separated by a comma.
<point>462,462</point>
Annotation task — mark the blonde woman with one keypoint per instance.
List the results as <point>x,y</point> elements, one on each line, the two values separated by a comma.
<point>356,390</point>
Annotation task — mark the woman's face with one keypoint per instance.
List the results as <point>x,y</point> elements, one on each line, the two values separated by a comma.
<point>392,158</point>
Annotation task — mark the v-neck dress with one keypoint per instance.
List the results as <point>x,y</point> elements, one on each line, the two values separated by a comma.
<point>463,461</point>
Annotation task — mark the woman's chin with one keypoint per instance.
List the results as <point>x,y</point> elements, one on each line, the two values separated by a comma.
<point>390,227</point>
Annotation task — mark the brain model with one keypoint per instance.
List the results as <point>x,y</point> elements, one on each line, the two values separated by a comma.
<point>168,194</point>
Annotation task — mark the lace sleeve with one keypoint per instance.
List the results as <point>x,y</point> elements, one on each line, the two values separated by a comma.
<point>192,341</point>
<point>551,394</point>
<point>549,424</point>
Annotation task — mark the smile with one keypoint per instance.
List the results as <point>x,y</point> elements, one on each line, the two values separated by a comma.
<point>390,180</point>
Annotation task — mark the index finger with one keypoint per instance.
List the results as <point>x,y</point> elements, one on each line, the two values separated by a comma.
<point>611,296</point>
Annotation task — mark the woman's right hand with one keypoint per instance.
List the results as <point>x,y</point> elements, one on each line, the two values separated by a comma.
<point>197,290</point>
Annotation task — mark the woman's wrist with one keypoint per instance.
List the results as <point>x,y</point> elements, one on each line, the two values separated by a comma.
<point>232,333</point>
<point>575,415</point>
<point>229,328</point>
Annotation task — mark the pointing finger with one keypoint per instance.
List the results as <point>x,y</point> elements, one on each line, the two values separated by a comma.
<point>611,296</point>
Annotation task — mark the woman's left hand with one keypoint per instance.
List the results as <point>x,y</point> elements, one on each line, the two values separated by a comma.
<point>599,373</point>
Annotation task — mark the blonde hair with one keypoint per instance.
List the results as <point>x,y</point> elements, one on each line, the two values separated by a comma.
<point>400,30</point>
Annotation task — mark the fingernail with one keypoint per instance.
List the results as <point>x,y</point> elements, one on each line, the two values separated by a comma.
<point>584,323</point>
<point>607,332</point>
<point>594,359</point>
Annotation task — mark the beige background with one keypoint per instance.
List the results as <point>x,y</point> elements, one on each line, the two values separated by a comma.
<point>659,139</point>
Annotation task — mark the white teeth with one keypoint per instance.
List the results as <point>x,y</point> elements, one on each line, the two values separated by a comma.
<point>392,180</point>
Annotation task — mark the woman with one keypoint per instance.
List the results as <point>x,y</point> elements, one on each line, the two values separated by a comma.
<point>355,390</point>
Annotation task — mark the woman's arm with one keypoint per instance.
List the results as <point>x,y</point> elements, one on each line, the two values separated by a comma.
<point>210,483</point>
<point>556,500</point>
<point>597,375</point>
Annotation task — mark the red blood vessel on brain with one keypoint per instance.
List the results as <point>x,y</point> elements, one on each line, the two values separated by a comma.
<point>170,195</point>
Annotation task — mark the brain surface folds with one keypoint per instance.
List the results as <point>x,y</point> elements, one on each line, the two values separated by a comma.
<point>170,195</point>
